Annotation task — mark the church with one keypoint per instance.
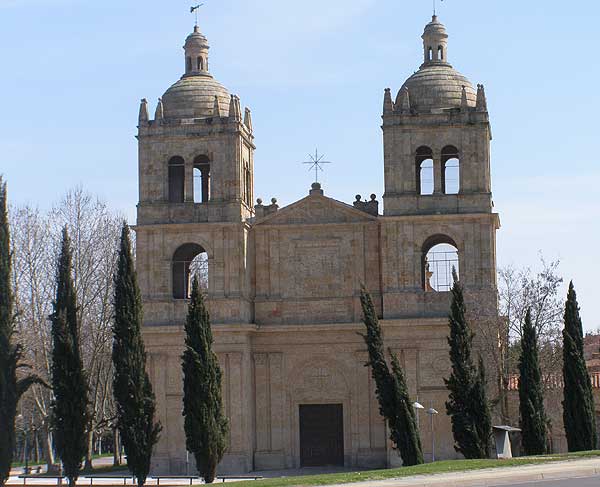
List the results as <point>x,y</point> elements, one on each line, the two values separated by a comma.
<point>283,284</point>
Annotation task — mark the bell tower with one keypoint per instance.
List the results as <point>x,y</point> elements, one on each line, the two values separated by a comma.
<point>436,138</point>
<point>438,206</point>
<point>196,156</point>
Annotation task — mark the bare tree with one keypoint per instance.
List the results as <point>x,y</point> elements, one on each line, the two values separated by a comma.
<point>520,289</point>
<point>95,232</point>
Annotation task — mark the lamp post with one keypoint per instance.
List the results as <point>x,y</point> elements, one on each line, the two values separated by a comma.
<point>432,412</point>
<point>417,405</point>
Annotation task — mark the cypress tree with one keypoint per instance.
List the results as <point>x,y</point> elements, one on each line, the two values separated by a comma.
<point>205,424</point>
<point>70,405</point>
<point>131,385</point>
<point>467,404</point>
<point>531,393</point>
<point>394,402</point>
<point>11,388</point>
<point>578,403</point>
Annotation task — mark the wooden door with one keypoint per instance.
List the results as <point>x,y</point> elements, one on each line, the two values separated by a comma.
<point>321,435</point>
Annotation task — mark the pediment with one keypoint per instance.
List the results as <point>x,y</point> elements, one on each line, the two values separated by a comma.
<point>315,210</point>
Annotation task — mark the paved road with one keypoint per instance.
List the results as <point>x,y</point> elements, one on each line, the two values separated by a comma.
<point>574,482</point>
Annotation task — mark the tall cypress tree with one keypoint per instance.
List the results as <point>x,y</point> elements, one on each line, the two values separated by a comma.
<point>578,403</point>
<point>531,393</point>
<point>70,405</point>
<point>11,388</point>
<point>467,403</point>
<point>131,385</point>
<point>394,402</point>
<point>205,424</point>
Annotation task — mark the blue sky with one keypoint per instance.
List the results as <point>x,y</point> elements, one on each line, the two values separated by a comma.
<point>313,73</point>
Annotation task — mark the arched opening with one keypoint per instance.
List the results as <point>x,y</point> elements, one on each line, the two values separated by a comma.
<point>188,64</point>
<point>247,184</point>
<point>429,54</point>
<point>424,170</point>
<point>200,64</point>
<point>439,259</point>
<point>201,179</point>
<point>176,179</point>
<point>189,260</point>
<point>440,53</point>
<point>450,170</point>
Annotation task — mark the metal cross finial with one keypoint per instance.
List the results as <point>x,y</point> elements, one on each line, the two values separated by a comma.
<point>315,163</point>
<point>195,10</point>
<point>434,6</point>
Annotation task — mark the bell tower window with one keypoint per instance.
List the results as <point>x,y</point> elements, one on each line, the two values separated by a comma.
<point>176,179</point>
<point>424,170</point>
<point>189,261</point>
<point>201,179</point>
<point>450,170</point>
<point>440,53</point>
<point>440,258</point>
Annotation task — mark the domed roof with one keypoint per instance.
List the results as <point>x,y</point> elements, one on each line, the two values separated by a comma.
<point>194,97</point>
<point>437,86</point>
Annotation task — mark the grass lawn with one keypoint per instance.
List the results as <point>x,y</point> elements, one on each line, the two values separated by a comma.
<point>426,469</point>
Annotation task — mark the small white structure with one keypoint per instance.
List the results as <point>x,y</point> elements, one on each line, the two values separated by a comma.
<point>502,437</point>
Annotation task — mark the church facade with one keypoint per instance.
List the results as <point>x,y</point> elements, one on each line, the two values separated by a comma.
<point>283,284</point>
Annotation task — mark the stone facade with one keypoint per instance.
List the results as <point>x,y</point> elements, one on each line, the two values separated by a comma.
<point>283,285</point>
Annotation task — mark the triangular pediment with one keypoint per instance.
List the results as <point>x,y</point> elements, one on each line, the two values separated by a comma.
<point>316,209</point>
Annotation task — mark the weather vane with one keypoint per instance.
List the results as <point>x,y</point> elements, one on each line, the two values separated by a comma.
<point>195,10</point>
<point>316,162</point>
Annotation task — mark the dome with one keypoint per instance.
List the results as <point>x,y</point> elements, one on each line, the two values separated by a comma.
<point>437,86</point>
<point>194,97</point>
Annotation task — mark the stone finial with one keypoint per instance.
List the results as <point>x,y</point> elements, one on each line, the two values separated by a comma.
<point>403,100</point>
<point>143,117</point>
<point>481,105</point>
<point>159,114</point>
<point>388,104</point>
<point>463,101</point>
<point>371,207</point>
<point>216,108</point>
<point>235,112</point>
<point>315,188</point>
<point>248,119</point>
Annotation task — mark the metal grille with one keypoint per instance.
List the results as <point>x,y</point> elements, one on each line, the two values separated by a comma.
<point>438,267</point>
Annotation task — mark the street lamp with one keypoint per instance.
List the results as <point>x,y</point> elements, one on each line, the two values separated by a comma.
<point>432,412</point>
<point>417,405</point>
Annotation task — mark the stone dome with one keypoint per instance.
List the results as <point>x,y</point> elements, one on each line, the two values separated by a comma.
<point>437,86</point>
<point>194,97</point>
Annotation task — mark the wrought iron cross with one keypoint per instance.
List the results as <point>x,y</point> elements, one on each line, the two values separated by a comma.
<point>316,162</point>
<point>195,10</point>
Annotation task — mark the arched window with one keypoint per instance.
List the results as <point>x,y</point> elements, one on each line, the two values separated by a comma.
<point>176,179</point>
<point>439,259</point>
<point>424,170</point>
<point>247,184</point>
<point>429,54</point>
<point>450,170</point>
<point>440,53</point>
<point>188,64</point>
<point>201,179</point>
<point>189,260</point>
<point>200,64</point>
